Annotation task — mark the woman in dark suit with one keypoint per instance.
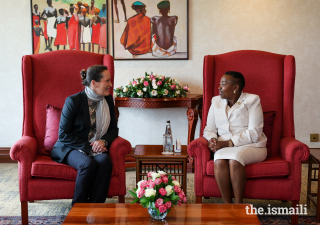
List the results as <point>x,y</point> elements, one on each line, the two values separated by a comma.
<point>87,128</point>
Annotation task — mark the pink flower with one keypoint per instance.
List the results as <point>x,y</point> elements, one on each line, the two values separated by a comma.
<point>184,199</point>
<point>158,181</point>
<point>150,173</point>
<point>165,179</point>
<point>176,188</point>
<point>163,78</point>
<point>173,87</point>
<point>168,205</point>
<point>162,191</point>
<point>144,184</point>
<point>183,193</point>
<point>151,184</point>
<point>186,88</point>
<point>152,76</point>
<point>181,196</point>
<point>146,83</point>
<point>159,201</point>
<point>162,208</point>
<point>134,83</point>
<point>140,193</point>
<point>173,178</point>
<point>159,82</point>
<point>179,202</point>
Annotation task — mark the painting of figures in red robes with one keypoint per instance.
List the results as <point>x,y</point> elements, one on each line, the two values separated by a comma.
<point>69,24</point>
<point>150,29</point>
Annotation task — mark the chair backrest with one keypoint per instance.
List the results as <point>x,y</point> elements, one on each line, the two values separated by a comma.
<point>49,78</point>
<point>269,75</point>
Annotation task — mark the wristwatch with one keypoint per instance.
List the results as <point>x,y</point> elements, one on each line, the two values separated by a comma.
<point>105,142</point>
<point>230,143</point>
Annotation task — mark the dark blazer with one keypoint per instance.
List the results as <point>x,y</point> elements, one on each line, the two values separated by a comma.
<point>75,125</point>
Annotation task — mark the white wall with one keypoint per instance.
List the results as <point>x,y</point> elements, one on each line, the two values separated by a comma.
<point>215,27</point>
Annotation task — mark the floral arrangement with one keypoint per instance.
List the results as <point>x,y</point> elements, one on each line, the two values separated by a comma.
<point>152,85</point>
<point>159,193</point>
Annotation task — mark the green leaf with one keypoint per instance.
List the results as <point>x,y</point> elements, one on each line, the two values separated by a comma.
<point>174,198</point>
<point>133,193</point>
<point>144,200</point>
<point>170,179</point>
<point>136,200</point>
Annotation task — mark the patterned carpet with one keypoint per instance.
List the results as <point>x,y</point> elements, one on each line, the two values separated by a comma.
<point>54,211</point>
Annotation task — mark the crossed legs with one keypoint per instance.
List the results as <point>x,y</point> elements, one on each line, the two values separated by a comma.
<point>230,175</point>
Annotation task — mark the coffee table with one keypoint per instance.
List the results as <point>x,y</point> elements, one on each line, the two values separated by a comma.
<point>120,213</point>
<point>150,158</point>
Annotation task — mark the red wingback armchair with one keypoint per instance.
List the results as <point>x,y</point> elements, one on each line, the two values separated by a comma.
<point>272,77</point>
<point>49,78</point>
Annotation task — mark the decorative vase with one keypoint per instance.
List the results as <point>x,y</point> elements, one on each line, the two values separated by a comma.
<point>154,214</point>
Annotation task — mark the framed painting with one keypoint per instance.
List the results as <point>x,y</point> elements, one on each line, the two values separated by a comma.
<point>150,29</point>
<point>69,24</point>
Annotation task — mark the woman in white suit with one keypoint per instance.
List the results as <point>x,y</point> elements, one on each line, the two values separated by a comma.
<point>234,133</point>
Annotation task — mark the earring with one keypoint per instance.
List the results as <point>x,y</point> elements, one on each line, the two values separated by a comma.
<point>234,92</point>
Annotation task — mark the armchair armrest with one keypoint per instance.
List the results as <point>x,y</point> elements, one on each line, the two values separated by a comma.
<point>294,152</point>
<point>118,149</point>
<point>198,149</point>
<point>24,151</point>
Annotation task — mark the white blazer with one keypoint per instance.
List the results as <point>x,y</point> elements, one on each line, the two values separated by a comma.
<point>243,123</point>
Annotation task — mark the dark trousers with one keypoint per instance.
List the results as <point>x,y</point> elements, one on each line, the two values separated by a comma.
<point>93,178</point>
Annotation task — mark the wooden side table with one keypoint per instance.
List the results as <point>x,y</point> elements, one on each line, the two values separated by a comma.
<point>314,159</point>
<point>192,101</point>
<point>150,158</point>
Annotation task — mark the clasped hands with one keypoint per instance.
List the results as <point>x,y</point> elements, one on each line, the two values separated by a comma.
<point>98,146</point>
<point>214,145</point>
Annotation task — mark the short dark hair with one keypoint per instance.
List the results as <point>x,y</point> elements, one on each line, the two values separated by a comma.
<point>238,77</point>
<point>92,73</point>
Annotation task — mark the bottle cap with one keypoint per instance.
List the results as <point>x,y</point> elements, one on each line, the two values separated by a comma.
<point>168,121</point>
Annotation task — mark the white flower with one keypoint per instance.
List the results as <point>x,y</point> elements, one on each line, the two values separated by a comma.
<point>150,192</point>
<point>178,92</point>
<point>115,94</point>
<point>169,190</point>
<point>155,86</point>
<point>142,79</point>
<point>153,81</point>
<point>129,83</point>
<point>139,93</point>
<point>125,89</point>
<point>165,92</point>
<point>148,77</point>
<point>176,183</point>
<point>177,86</point>
<point>155,175</point>
<point>176,80</point>
<point>144,89</point>
<point>162,172</point>
<point>138,185</point>
<point>154,93</point>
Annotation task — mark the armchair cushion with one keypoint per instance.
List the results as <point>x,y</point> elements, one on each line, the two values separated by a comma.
<point>268,118</point>
<point>272,167</point>
<point>45,167</point>
<point>52,129</point>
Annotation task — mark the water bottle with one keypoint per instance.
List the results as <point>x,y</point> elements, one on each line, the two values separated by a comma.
<point>169,132</point>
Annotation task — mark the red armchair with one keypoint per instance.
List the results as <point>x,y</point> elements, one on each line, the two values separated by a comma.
<point>271,76</point>
<point>49,78</point>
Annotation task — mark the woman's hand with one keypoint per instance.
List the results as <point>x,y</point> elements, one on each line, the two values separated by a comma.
<point>98,146</point>
<point>214,145</point>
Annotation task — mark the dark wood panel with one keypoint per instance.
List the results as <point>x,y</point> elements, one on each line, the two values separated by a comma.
<point>5,156</point>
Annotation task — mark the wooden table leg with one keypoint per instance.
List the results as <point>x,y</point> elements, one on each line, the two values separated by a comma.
<point>185,176</point>
<point>138,167</point>
<point>192,118</point>
<point>116,113</point>
<point>318,200</point>
<point>309,182</point>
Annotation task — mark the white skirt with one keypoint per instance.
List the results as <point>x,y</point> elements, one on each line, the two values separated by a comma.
<point>242,154</point>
